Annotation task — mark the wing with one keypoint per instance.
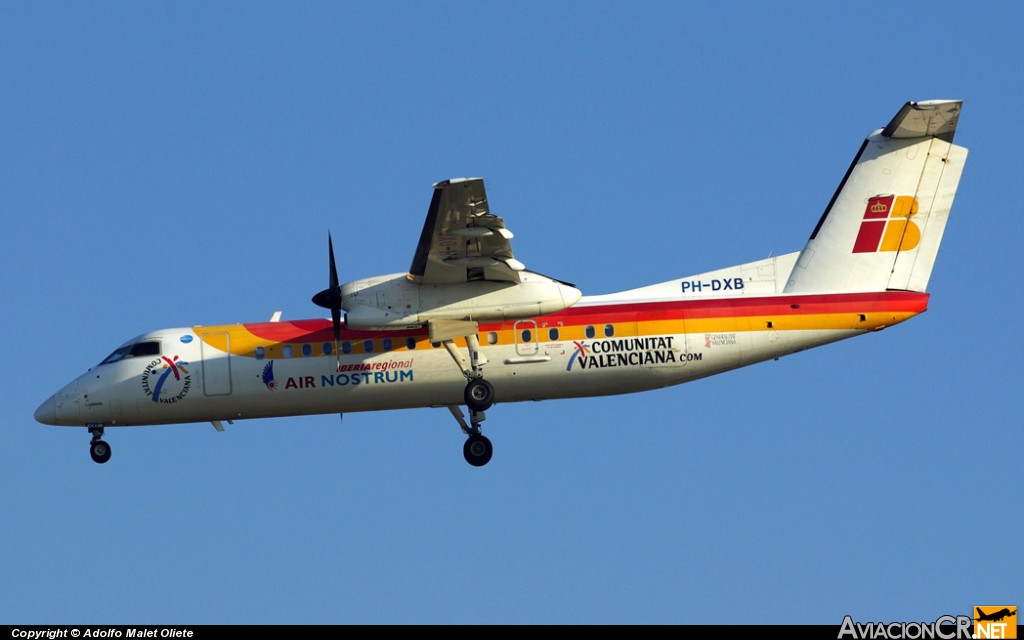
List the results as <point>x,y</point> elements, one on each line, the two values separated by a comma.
<point>462,240</point>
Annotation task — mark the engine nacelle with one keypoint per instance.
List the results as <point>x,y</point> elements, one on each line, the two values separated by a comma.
<point>394,301</point>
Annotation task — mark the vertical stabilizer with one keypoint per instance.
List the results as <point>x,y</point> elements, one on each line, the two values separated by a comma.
<point>882,228</point>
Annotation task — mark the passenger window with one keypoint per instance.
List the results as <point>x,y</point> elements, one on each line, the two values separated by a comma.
<point>609,330</point>
<point>386,344</point>
<point>589,331</point>
<point>368,346</point>
<point>287,351</point>
<point>327,348</point>
<point>410,343</point>
<point>553,333</point>
<point>492,337</point>
<point>346,347</point>
<point>307,349</point>
<point>527,335</point>
<point>260,353</point>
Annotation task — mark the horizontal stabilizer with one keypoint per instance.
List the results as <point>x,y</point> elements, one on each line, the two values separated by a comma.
<point>922,119</point>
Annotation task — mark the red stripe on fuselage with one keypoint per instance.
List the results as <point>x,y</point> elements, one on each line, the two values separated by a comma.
<point>319,330</point>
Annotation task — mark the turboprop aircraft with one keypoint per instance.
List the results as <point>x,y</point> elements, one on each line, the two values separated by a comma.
<point>469,324</point>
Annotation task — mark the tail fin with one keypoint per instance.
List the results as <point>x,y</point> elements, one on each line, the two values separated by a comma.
<point>882,229</point>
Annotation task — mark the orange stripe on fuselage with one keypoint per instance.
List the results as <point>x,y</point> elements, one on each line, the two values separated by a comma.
<point>806,312</point>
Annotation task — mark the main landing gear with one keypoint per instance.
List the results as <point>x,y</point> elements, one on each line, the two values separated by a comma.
<point>98,449</point>
<point>477,449</point>
<point>479,393</point>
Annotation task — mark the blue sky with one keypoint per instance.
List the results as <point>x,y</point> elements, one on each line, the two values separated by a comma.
<point>174,164</point>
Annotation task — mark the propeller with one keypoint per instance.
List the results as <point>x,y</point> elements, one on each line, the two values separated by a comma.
<point>330,298</point>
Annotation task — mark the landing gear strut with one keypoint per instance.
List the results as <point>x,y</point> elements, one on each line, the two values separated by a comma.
<point>479,393</point>
<point>98,449</point>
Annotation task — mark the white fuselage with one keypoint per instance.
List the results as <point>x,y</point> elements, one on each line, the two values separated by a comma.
<point>602,346</point>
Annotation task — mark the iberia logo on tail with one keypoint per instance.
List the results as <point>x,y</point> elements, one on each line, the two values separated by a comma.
<point>887,225</point>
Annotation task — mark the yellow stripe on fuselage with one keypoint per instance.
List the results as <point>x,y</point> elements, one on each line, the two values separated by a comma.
<point>244,343</point>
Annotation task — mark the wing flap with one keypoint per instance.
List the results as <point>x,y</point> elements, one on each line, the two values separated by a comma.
<point>462,240</point>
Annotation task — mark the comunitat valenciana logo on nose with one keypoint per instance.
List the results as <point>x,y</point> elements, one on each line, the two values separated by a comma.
<point>887,225</point>
<point>166,380</point>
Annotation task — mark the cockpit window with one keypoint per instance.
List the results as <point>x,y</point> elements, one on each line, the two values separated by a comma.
<point>145,349</point>
<point>138,349</point>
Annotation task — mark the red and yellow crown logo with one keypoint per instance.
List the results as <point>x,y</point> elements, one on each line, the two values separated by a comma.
<point>887,225</point>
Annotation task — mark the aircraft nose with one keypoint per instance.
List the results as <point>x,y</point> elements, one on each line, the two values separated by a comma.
<point>47,412</point>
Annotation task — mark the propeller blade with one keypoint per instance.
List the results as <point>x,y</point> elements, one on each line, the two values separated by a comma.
<point>334,269</point>
<point>330,298</point>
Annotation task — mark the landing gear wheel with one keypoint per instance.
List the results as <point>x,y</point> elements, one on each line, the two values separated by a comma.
<point>100,451</point>
<point>477,450</point>
<point>479,395</point>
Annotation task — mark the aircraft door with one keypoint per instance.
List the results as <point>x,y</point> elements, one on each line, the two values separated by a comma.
<point>216,348</point>
<point>670,347</point>
<point>679,343</point>
<point>526,338</point>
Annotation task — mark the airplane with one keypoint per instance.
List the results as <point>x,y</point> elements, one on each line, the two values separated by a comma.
<point>995,616</point>
<point>468,324</point>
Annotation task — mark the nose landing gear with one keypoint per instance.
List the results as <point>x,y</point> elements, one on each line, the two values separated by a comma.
<point>98,449</point>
